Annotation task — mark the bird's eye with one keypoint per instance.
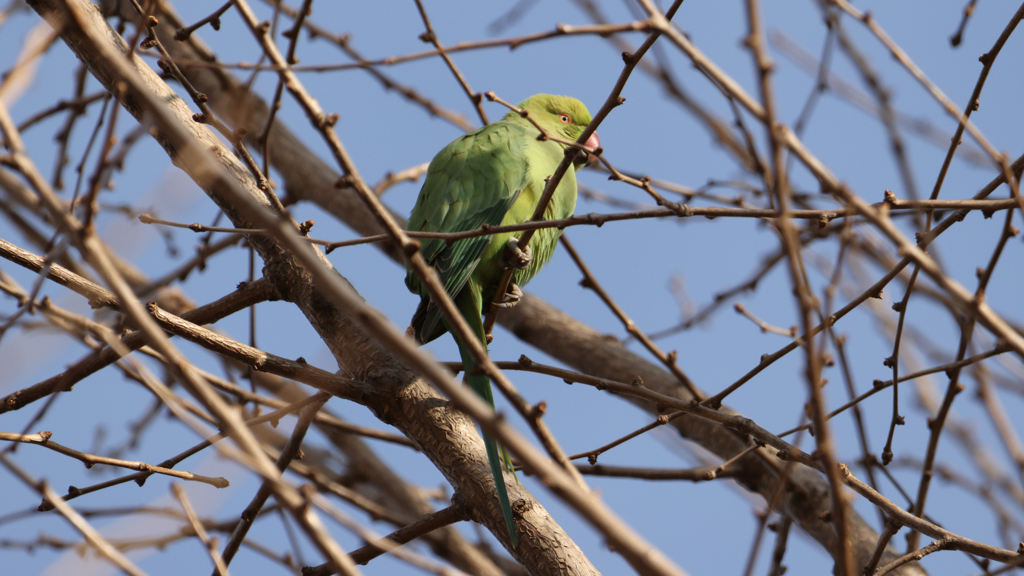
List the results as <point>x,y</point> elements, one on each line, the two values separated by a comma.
<point>564,119</point>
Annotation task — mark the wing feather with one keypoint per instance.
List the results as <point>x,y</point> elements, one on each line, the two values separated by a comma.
<point>471,182</point>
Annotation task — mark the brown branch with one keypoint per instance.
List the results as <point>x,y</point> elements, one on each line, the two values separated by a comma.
<point>879,385</point>
<point>700,474</point>
<point>920,126</point>
<point>431,37</point>
<point>242,298</point>
<point>591,455</point>
<point>406,534</point>
<point>290,452</point>
<point>221,569</point>
<point>213,20</point>
<point>558,31</point>
<point>764,326</point>
<point>92,536</point>
<point>98,296</point>
<point>669,359</point>
<point>903,58</point>
<point>43,439</point>
<point>206,115</point>
<point>141,477</point>
<point>297,370</point>
<point>322,418</point>
<point>343,42</point>
<point>902,517</point>
<point>638,389</point>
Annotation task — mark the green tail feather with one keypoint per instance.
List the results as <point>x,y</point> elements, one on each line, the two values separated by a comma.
<point>506,459</point>
<point>496,456</point>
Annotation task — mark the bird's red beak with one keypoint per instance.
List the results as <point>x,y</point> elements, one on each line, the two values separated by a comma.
<point>595,143</point>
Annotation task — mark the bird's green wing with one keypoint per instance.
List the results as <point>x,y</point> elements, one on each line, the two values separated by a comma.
<point>471,182</point>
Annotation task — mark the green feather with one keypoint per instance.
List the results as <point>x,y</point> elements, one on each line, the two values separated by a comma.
<point>469,303</point>
<point>494,176</point>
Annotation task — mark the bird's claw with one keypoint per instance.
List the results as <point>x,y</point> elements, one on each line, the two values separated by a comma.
<point>516,257</point>
<point>512,297</point>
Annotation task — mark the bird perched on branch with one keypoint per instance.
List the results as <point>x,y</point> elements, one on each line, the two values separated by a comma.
<point>494,176</point>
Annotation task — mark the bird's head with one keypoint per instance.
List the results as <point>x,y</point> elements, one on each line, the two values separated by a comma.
<point>562,116</point>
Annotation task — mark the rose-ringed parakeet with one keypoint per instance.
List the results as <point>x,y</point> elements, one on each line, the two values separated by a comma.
<point>494,175</point>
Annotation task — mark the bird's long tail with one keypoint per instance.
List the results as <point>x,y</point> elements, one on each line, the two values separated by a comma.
<point>469,303</point>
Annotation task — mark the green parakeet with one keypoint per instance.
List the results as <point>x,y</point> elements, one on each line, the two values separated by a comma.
<point>494,175</point>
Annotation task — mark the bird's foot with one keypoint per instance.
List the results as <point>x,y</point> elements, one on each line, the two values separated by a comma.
<point>512,297</point>
<point>516,257</point>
